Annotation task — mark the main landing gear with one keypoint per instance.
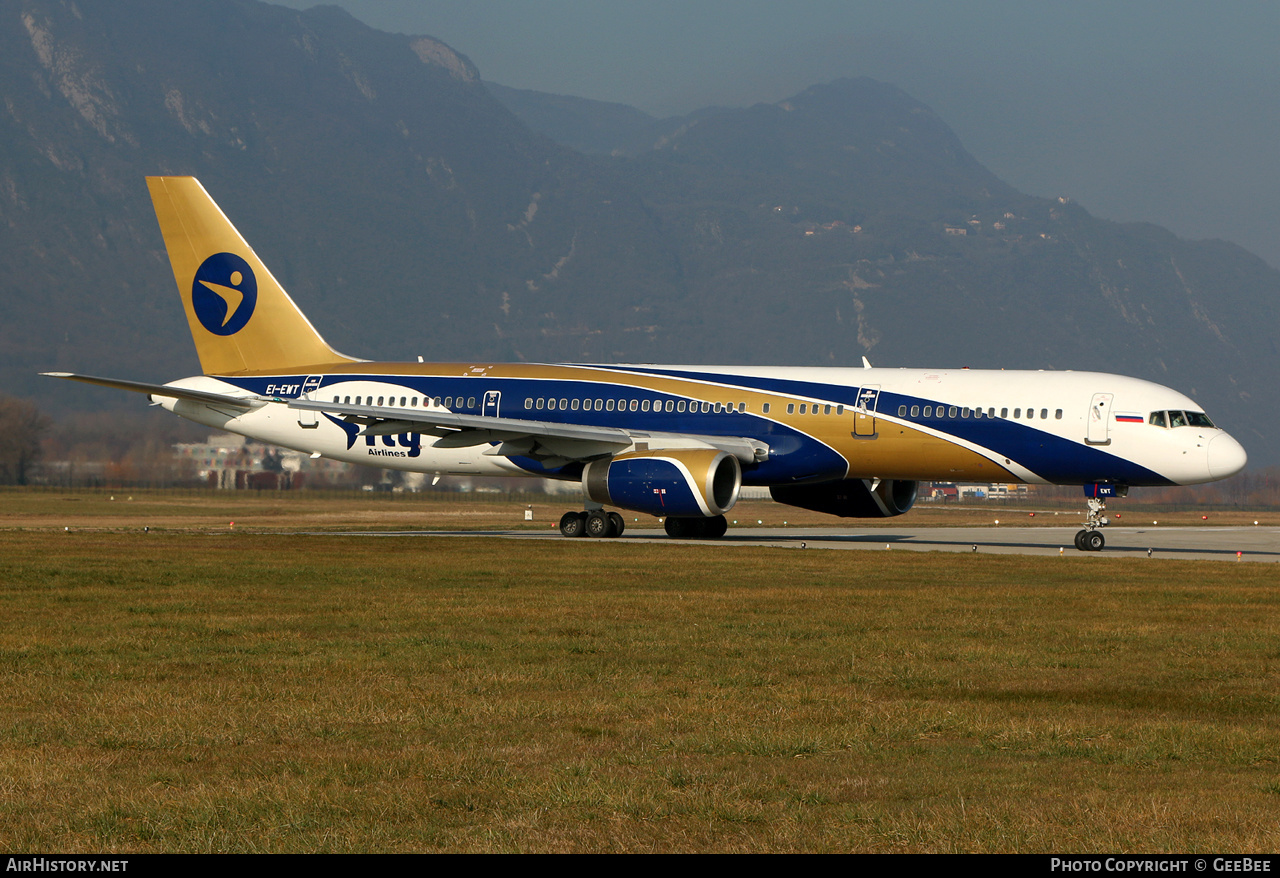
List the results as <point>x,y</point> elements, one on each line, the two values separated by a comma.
<point>1090,539</point>
<point>602,524</point>
<point>596,523</point>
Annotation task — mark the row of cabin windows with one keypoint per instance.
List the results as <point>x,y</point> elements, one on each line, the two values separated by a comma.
<point>965,412</point>
<point>671,405</point>
<point>816,409</point>
<point>1177,419</point>
<point>412,401</point>
<point>634,405</point>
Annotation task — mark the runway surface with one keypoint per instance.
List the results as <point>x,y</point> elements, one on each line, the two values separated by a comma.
<point>1200,543</point>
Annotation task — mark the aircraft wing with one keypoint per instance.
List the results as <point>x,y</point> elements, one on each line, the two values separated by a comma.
<point>542,440</point>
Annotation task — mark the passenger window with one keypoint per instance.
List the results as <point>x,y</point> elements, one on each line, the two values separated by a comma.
<point>964,412</point>
<point>915,411</point>
<point>902,411</point>
<point>791,408</point>
<point>742,406</point>
<point>706,407</point>
<point>951,412</point>
<point>804,408</point>
<point>1044,414</point>
<point>671,405</point>
<point>608,405</point>
<point>347,401</point>
<point>1004,413</point>
<point>928,411</point>
<point>1017,413</point>
<point>599,405</point>
<point>574,403</point>
<point>839,410</point>
<point>765,408</point>
<point>635,404</point>
<point>680,406</point>
<point>528,403</point>
<point>1058,415</point>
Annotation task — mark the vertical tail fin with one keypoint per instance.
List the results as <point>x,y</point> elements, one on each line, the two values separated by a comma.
<point>241,319</point>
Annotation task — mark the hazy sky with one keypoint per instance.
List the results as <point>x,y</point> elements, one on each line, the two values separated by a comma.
<point>1163,111</point>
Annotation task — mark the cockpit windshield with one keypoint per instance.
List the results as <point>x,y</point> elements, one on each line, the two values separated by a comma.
<point>1173,419</point>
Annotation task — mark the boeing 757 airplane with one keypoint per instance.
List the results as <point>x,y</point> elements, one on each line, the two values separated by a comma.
<point>677,442</point>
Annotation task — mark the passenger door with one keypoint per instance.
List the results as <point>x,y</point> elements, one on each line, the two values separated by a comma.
<point>492,399</point>
<point>1098,431</point>
<point>309,420</point>
<point>864,413</point>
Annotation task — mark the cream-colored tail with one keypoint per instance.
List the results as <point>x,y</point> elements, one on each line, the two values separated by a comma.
<point>241,319</point>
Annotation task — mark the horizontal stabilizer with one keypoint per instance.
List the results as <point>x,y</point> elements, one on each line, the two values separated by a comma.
<point>165,390</point>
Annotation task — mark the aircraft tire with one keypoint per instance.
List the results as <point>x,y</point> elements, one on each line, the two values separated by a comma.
<point>619,524</point>
<point>599,524</point>
<point>1080,535</point>
<point>1094,541</point>
<point>573,524</point>
<point>715,528</point>
<point>683,528</point>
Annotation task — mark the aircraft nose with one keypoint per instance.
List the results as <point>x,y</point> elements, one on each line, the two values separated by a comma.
<point>1226,456</point>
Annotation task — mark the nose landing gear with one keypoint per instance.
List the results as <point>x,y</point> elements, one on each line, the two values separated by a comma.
<point>1090,539</point>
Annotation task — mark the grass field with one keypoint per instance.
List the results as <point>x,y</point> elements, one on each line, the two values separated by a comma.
<point>286,511</point>
<point>184,690</point>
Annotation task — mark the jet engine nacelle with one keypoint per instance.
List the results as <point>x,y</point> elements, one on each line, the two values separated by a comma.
<point>851,498</point>
<point>679,482</point>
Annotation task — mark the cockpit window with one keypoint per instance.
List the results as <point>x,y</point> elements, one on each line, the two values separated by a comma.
<point>1181,419</point>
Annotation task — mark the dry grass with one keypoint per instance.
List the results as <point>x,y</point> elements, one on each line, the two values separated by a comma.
<point>288,511</point>
<point>237,692</point>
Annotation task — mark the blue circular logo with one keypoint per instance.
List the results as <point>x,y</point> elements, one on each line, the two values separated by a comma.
<point>224,293</point>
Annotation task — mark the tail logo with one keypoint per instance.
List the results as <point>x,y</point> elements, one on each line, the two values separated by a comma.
<point>224,293</point>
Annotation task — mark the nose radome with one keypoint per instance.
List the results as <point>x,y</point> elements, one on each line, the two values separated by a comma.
<point>1226,456</point>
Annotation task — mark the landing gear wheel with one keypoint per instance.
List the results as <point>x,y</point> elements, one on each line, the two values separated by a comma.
<point>1093,541</point>
<point>573,524</point>
<point>714,528</point>
<point>1080,535</point>
<point>619,525</point>
<point>599,524</point>
<point>683,528</point>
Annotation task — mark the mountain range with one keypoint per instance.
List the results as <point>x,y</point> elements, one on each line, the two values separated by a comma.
<point>412,209</point>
